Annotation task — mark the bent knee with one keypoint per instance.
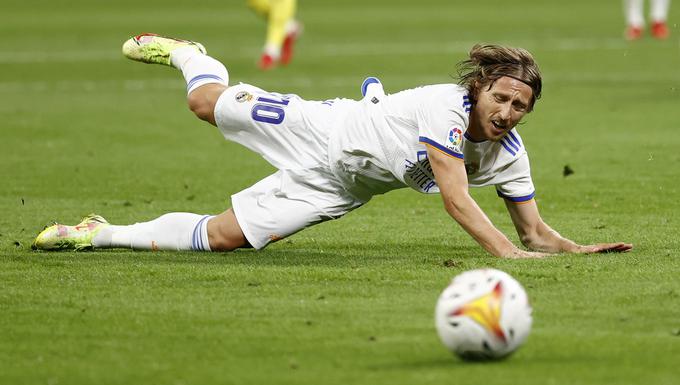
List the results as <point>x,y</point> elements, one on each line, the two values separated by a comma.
<point>203,99</point>
<point>201,107</point>
<point>224,233</point>
<point>227,242</point>
<point>223,245</point>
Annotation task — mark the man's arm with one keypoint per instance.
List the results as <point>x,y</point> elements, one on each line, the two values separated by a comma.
<point>453,186</point>
<point>537,235</point>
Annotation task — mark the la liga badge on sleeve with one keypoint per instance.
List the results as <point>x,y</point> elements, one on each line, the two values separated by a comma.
<point>455,138</point>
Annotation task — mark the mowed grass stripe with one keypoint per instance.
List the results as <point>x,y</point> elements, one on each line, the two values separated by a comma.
<point>391,83</point>
<point>331,50</point>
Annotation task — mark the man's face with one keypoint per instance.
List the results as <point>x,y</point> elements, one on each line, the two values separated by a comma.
<point>499,108</point>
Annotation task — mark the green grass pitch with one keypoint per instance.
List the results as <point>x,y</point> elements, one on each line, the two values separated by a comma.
<point>351,301</point>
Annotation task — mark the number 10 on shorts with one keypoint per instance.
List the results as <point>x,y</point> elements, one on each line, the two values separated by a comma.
<point>269,109</point>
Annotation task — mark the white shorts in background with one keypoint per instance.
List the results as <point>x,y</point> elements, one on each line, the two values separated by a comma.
<point>289,201</point>
<point>292,135</point>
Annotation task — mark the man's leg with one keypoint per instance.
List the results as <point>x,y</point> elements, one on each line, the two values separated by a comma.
<point>282,12</point>
<point>292,31</point>
<point>261,7</point>
<point>176,231</point>
<point>634,19</point>
<point>659,10</point>
<point>286,202</point>
<point>206,77</point>
<point>659,14</point>
<point>173,231</point>
<point>202,101</point>
<point>282,30</point>
<point>206,80</point>
<point>224,232</point>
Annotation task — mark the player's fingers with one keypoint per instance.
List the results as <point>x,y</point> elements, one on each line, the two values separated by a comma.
<point>536,255</point>
<point>615,247</point>
<point>599,248</point>
<point>624,247</point>
<point>521,254</point>
<point>589,249</point>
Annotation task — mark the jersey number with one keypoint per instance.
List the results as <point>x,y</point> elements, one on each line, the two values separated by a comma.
<point>269,110</point>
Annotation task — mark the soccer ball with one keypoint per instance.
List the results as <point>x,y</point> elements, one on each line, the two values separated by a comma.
<point>483,314</point>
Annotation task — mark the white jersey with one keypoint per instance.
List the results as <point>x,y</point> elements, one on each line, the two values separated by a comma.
<point>333,156</point>
<point>377,147</point>
<point>503,164</point>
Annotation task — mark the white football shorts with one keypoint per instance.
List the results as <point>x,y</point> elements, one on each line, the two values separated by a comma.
<point>292,135</point>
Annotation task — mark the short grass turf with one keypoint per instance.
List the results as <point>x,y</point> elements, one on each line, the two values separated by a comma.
<point>349,301</point>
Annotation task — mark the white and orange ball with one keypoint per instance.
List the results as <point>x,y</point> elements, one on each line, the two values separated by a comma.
<point>483,314</point>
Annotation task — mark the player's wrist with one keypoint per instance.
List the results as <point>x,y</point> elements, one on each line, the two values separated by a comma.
<point>509,252</point>
<point>571,247</point>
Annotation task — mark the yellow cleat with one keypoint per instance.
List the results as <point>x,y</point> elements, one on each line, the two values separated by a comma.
<point>78,237</point>
<point>155,49</point>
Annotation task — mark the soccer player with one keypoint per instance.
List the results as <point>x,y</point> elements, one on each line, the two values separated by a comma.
<point>282,31</point>
<point>635,20</point>
<point>333,156</point>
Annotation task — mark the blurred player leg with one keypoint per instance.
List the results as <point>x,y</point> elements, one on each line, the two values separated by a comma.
<point>659,15</point>
<point>293,32</point>
<point>634,19</point>
<point>261,7</point>
<point>282,30</point>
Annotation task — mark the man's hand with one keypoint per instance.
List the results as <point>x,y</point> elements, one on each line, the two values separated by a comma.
<point>522,254</point>
<point>618,247</point>
<point>537,235</point>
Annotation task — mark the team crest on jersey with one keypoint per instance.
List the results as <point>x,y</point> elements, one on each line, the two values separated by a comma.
<point>454,139</point>
<point>243,96</point>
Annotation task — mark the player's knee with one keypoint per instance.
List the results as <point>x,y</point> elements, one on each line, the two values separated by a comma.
<point>200,106</point>
<point>203,99</point>
<point>224,233</point>
<point>226,244</point>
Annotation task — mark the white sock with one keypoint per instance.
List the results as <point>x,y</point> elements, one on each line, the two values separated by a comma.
<point>273,50</point>
<point>174,231</point>
<point>659,11</point>
<point>634,13</point>
<point>198,69</point>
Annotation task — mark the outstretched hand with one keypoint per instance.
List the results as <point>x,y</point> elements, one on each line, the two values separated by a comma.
<point>618,247</point>
<point>523,254</point>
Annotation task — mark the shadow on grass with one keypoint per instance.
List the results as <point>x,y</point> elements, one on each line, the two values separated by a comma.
<point>435,363</point>
<point>356,254</point>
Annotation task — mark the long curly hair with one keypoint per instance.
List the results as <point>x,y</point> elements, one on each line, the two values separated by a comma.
<point>488,63</point>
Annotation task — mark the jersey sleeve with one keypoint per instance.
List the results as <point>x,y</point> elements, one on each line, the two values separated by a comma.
<point>442,121</point>
<point>517,186</point>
